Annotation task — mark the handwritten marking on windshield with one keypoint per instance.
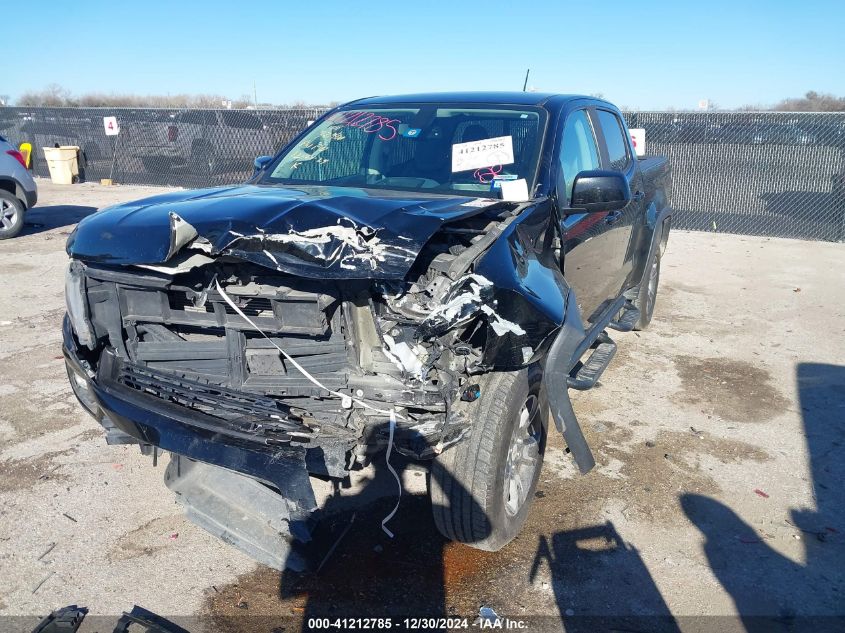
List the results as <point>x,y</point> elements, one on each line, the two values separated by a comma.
<point>487,174</point>
<point>370,123</point>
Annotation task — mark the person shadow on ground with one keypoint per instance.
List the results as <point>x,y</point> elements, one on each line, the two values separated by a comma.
<point>773,593</point>
<point>607,578</point>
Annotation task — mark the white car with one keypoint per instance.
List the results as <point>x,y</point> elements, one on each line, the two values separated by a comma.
<point>18,191</point>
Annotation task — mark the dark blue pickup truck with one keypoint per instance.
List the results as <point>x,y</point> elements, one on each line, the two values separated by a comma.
<point>426,275</point>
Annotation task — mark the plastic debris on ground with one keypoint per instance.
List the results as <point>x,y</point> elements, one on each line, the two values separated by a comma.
<point>486,615</point>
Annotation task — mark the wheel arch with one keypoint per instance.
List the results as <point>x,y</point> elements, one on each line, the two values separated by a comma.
<point>13,187</point>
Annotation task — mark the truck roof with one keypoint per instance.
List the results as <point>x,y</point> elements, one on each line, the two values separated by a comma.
<point>492,98</point>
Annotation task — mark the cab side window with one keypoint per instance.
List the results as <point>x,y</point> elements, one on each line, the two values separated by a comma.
<point>579,151</point>
<point>617,143</point>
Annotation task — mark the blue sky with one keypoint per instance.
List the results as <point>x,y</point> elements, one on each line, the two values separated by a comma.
<point>646,55</point>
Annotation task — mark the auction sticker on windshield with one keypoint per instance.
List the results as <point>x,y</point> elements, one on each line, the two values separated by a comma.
<point>476,154</point>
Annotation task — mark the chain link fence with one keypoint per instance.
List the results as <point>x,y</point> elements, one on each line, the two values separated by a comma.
<point>755,173</point>
<point>778,174</point>
<point>187,148</point>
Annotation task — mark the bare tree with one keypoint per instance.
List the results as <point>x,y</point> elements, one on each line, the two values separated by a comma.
<point>812,102</point>
<point>56,96</point>
<point>51,96</point>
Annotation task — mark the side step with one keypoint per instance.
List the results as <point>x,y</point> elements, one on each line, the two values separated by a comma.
<point>238,510</point>
<point>586,375</point>
<point>627,320</point>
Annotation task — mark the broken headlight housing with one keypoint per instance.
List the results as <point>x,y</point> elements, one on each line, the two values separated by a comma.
<point>81,386</point>
<point>77,305</point>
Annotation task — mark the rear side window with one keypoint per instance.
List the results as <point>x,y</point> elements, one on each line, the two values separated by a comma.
<point>198,117</point>
<point>240,119</point>
<point>614,136</point>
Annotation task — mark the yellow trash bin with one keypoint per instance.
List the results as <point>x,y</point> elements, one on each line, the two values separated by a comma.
<point>63,163</point>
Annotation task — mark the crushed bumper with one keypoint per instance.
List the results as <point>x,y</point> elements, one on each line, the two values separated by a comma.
<point>150,421</point>
<point>256,497</point>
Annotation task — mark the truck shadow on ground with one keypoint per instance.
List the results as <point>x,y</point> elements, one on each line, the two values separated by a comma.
<point>357,569</point>
<point>771,591</point>
<point>421,574</point>
<point>41,219</point>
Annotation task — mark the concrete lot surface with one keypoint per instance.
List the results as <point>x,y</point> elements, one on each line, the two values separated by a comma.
<point>719,434</point>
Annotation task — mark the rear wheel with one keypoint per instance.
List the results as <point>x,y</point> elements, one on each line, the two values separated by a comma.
<point>481,489</point>
<point>11,215</point>
<point>647,295</point>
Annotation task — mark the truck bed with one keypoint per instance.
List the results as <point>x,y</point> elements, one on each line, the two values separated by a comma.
<point>658,180</point>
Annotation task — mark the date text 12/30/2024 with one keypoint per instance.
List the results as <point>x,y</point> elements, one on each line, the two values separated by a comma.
<point>376,624</point>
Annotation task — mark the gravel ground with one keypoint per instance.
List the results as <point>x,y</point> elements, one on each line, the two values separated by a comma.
<point>719,435</point>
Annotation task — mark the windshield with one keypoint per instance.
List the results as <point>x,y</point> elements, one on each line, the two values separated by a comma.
<point>455,150</point>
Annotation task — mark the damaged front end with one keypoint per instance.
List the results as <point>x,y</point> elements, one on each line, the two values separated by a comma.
<point>240,351</point>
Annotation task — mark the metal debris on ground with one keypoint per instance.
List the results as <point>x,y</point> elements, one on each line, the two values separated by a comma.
<point>46,578</point>
<point>49,549</point>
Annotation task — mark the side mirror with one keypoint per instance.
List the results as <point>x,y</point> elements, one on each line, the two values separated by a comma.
<point>260,163</point>
<point>600,190</point>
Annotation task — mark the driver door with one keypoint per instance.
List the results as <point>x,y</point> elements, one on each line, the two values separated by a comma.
<point>589,258</point>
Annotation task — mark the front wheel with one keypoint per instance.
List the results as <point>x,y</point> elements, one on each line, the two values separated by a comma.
<point>481,489</point>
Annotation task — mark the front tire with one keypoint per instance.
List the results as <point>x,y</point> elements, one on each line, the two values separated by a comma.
<point>481,490</point>
<point>12,211</point>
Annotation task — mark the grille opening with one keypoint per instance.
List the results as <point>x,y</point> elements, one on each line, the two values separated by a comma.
<point>254,306</point>
<point>251,306</point>
<point>245,412</point>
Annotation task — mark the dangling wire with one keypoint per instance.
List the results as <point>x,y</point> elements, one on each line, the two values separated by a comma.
<point>395,474</point>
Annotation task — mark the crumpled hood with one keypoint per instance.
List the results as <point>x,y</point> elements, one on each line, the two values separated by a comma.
<point>311,231</point>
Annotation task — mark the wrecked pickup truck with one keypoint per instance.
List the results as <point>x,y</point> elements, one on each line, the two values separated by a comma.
<point>428,274</point>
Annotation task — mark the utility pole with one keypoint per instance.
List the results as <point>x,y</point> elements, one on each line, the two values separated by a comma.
<point>525,85</point>
<point>254,93</point>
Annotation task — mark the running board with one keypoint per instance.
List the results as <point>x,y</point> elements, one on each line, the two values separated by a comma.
<point>585,375</point>
<point>627,320</point>
<point>570,344</point>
